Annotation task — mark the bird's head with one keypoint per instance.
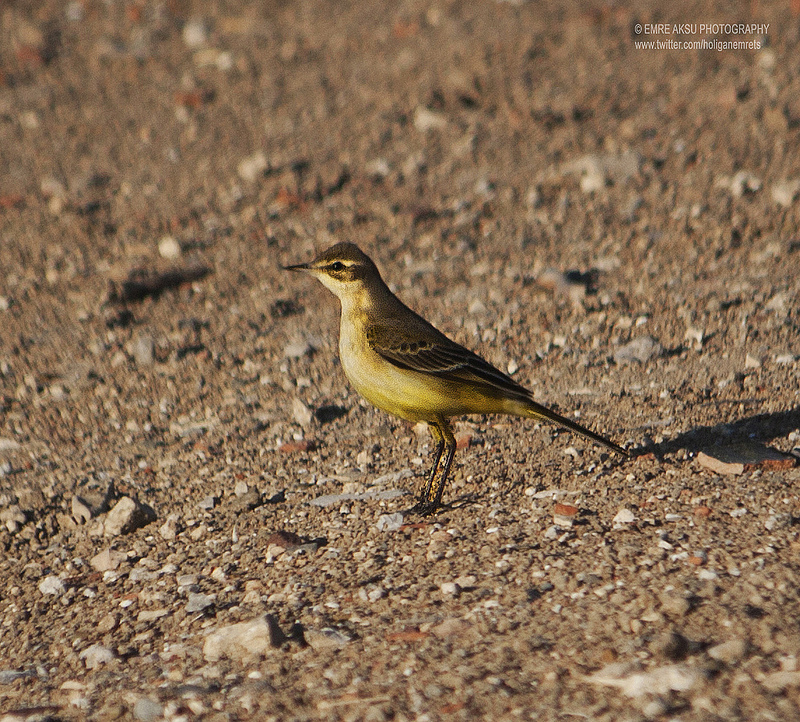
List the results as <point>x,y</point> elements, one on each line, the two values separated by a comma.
<point>344,269</point>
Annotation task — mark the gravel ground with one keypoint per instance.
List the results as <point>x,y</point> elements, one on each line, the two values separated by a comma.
<point>200,520</point>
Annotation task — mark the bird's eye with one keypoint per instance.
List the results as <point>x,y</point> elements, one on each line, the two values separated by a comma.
<point>337,266</point>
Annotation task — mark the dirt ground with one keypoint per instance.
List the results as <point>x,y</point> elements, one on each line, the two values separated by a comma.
<point>199,518</point>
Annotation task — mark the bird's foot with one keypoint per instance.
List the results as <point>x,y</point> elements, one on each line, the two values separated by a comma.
<point>425,507</point>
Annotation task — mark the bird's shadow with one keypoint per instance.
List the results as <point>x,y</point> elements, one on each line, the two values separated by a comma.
<point>761,427</point>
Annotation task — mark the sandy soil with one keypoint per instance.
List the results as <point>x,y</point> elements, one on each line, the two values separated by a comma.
<point>180,452</point>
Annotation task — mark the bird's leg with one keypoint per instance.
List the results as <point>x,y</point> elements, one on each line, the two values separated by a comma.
<point>426,490</point>
<point>446,445</point>
<point>435,490</point>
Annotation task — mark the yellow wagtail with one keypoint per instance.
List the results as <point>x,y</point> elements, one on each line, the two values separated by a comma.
<point>402,364</point>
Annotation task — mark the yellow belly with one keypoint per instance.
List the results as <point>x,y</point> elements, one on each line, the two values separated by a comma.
<point>412,395</point>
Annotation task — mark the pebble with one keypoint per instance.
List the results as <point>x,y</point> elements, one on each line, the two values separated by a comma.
<point>639,350</point>
<point>195,33</point>
<point>301,413</point>
<point>736,459</point>
<point>741,183</point>
<point>331,499</point>
<point>208,502</point>
<point>298,348</point>
<point>7,676</point>
<point>624,516</point>
<point>13,518</point>
<point>785,192</point>
<point>730,652</point>
<point>389,522</point>
<point>633,682</point>
<point>169,247</point>
<point>252,167</point>
<point>81,512</point>
<point>169,529</point>
<point>449,588</point>
<point>127,516</point>
<point>51,585</point>
<point>107,560</point>
<point>147,710</point>
<point>451,627</point>
<point>779,681</point>
<point>198,602</point>
<point>150,615</point>
<point>675,604</point>
<point>96,655</point>
<point>143,350</point>
<point>778,521</point>
<point>327,638</point>
<point>243,642</point>
<point>425,119</point>
<point>564,515</point>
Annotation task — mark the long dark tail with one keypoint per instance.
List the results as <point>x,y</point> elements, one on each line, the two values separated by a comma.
<point>533,410</point>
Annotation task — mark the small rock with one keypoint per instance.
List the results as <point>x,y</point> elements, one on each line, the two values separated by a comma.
<point>96,655</point>
<point>751,362</point>
<point>695,336</point>
<point>247,641</point>
<point>298,348</point>
<point>451,627</point>
<point>778,521</point>
<point>672,645</point>
<point>81,512</point>
<point>195,33</point>
<point>301,413</point>
<point>779,681</point>
<point>208,502</point>
<point>389,522</point>
<point>327,638</point>
<point>127,516</point>
<point>107,560</point>
<point>730,652</point>
<point>147,710</point>
<point>655,708</point>
<point>741,183</point>
<point>744,457</point>
<point>250,500</point>
<point>639,350</point>
<point>150,615</point>
<point>450,588</point>
<point>466,581</point>
<point>51,585</point>
<point>143,350</point>
<point>13,518</point>
<point>169,529</point>
<point>634,682</point>
<point>564,515</point>
<point>168,247</point>
<point>198,602</point>
<point>624,516</point>
<point>291,447</point>
<point>425,119</point>
<point>675,604</point>
<point>330,499</point>
<point>107,623</point>
<point>785,192</point>
<point>253,167</point>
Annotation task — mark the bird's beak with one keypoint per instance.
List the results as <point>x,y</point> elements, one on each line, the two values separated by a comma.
<point>298,267</point>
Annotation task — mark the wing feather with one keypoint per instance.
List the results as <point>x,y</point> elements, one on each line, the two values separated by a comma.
<point>437,355</point>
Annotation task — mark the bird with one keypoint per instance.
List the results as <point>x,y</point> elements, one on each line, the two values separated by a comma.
<point>405,366</point>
